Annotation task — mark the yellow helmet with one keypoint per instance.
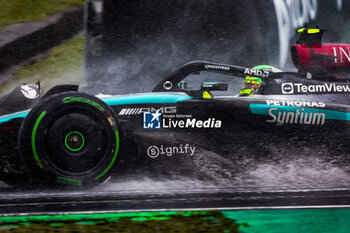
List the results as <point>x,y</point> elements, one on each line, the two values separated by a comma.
<point>252,85</point>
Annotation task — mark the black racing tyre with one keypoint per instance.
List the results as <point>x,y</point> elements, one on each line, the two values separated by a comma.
<point>11,176</point>
<point>70,138</point>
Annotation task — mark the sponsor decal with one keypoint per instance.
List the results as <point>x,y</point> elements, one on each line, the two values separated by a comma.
<point>296,103</point>
<point>291,88</point>
<point>155,151</point>
<point>299,116</point>
<point>136,111</point>
<point>260,73</point>
<point>287,88</point>
<point>264,109</point>
<point>208,85</point>
<point>216,67</point>
<point>29,92</point>
<point>151,120</point>
<point>83,100</point>
<point>340,54</point>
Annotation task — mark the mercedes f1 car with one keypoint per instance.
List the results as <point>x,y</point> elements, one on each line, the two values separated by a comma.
<point>67,137</point>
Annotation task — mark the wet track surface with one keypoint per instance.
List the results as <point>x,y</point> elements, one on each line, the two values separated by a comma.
<point>15,201</point>
<point>292,183</point>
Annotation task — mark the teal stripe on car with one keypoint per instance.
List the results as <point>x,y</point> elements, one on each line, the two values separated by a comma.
<point>209,83</point>
<point>13,115</point>
<point>145,99</point>
<point>263,109</point>
<point>118,100</point>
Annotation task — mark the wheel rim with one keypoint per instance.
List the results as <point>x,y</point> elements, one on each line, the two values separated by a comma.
<point>74,141</point>
<point>78,142</point>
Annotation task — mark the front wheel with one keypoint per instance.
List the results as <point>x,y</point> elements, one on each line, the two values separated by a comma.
<point>70,138</point>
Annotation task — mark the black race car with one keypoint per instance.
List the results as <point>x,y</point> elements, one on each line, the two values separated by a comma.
<point>66,137</point>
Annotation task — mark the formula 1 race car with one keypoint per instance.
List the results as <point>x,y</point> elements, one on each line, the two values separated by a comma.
<point>66,137</point>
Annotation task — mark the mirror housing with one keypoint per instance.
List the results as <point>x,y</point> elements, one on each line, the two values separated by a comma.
<point>214,86</point>
<point>183,85</point>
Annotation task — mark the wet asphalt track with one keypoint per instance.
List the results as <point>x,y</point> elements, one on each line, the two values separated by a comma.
<point>14,201</point>
<point>295,183</point>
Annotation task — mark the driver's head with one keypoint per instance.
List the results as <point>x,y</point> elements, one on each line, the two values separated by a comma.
<point>252,85</point>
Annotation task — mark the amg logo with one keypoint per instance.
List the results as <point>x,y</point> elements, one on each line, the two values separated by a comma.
<point>297,117</point>
<point>136,111</point>
<point>216,67</point>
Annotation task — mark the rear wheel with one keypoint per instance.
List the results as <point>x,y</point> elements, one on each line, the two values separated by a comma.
<point>70,138</point>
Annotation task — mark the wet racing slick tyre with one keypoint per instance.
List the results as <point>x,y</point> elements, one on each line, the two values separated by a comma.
<point>69,139</point>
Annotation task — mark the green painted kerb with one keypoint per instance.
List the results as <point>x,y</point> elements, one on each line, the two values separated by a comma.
<point>78,217</point>
<point>196,221</point>
<point>36,157</point>
<point>74,132</point>
<point>114,156</point>
<point>243,221</point>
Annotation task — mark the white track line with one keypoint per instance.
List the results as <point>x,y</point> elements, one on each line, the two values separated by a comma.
<point>180,209</point>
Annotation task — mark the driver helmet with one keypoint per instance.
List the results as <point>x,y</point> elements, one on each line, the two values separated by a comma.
<point>252,85</point>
